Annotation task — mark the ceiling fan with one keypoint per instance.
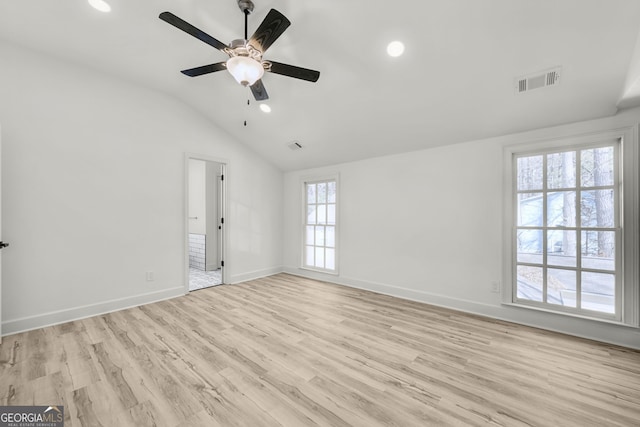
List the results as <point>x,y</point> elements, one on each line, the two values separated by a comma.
<point>245,61</point>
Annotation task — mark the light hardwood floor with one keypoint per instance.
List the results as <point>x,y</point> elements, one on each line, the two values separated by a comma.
<point>295,352</point>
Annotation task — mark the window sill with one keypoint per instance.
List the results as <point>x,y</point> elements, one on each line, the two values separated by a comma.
<point>569,314</point>
<point>318,270</point>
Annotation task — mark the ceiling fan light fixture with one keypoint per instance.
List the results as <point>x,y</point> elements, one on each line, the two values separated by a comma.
<point>245,61</point>
<point>245,70</point>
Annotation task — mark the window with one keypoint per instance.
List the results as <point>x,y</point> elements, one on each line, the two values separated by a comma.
<point>568,249</point>
<point>320,225</point>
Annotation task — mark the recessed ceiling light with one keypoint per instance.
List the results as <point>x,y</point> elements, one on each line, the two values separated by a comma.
<point>265,108</point>
<point>100,5</point>
<point>395,48</point>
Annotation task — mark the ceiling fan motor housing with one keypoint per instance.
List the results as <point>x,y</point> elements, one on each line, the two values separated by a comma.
<point>241,47</point>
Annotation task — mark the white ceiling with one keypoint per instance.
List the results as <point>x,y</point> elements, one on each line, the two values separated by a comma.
<point>454,83</point>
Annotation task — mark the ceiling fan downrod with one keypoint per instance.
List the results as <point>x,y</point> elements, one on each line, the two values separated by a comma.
<point>246,6</point>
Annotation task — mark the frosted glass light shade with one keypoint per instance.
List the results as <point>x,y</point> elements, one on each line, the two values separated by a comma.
<point>245,70</point>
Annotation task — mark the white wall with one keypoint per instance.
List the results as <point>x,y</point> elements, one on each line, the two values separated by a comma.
<point>427,226</point>
<point>93,193</point>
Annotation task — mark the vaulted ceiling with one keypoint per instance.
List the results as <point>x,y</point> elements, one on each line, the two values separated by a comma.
<point>455,82</point>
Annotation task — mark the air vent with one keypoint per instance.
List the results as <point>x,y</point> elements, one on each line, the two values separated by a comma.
<point>294,145</point>
<point>538,80</point>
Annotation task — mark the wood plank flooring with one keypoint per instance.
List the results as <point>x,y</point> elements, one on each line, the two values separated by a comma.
<point>287,351</point>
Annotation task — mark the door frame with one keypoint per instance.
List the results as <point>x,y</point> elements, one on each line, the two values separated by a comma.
<point>223,214</point>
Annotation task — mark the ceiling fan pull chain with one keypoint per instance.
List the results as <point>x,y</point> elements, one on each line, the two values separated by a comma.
<point>248,102</point>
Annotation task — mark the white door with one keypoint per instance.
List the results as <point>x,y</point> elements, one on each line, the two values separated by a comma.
<point>1,244</point>
<point>212,210</point>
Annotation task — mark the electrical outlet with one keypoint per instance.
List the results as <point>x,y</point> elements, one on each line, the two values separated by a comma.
<point>495,287</point>
<point>150,276</point>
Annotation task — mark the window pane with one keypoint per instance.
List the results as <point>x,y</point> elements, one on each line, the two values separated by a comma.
<point>319,229</point>
<point>330,239</point>
<point>561,247</point>
<point>561,209</point>
<point>311,214</point>
<point>529,284</point>
<point>331,214</point>
<point>567,248</point>
<point>596,208</point>
<point>322,193</point>
<point>309,240</point>
<point>598,250</point>
<point>330,259</point>
<point>529,173</point>
<point>598,292</point>
<point>561,287</point>
<point>319,236</point>
<point>331,192</point>
<point>530,209</point>
<point>529,246</point>
<point>597,167</point>
<point>322,214</point>
<point>311,193</point>
<point>561,170</point>
<point>320,257</point>
<point>309,251</point>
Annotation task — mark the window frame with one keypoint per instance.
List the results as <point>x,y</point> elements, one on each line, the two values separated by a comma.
<point>628,159</point>
<point>304,224</point>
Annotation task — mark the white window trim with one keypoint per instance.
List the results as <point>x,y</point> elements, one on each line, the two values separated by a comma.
<point>310,180</point>
<point>630,315</point>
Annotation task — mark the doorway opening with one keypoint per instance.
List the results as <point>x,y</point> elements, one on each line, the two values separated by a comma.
<point>205,217</point>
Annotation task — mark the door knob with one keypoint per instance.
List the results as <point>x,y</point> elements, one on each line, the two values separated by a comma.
<point>3,245</point>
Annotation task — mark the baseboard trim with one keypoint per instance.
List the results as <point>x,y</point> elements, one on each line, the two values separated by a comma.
<point>252,275</point>
<point>621,335</point>
<point>10,327</point>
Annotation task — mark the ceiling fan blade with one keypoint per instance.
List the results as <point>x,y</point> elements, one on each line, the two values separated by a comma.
<point>190,29</point>
<point>269,30</point>
<point>205,69</point>
<point>295,72</point>
<point>259,91</point>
